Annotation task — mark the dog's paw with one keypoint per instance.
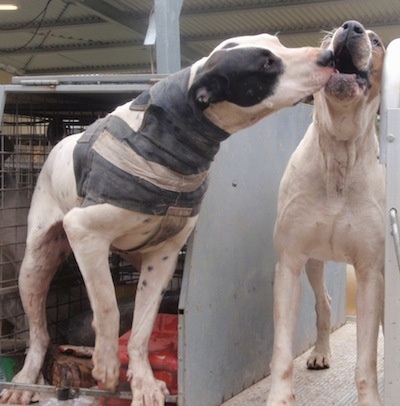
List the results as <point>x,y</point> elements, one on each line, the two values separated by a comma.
<point>19,397</point>
<point>368,394</point>
<point>14,397</point>
<point>318,360</point>
<point>276,400</point>
<point>373,402</point>
<point>106,365</point>
<point>146,390</point>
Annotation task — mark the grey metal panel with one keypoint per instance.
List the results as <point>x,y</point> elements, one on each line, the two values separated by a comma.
<point>390,94</point>
<point>226,325</point>
<point>390,142</point>
<point>392,275</point>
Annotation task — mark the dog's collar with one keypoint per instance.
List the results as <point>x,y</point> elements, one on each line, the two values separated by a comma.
<point>171,95</point>
<point>178,147</point>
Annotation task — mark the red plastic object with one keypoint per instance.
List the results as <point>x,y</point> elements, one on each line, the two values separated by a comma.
<point>163,357</point>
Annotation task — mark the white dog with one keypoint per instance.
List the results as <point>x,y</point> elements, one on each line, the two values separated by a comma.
<point>133,182</point>
<point>331,207</point>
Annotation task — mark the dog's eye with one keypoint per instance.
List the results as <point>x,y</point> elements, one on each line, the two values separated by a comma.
<point>375,42</point>
<point>268,60</point>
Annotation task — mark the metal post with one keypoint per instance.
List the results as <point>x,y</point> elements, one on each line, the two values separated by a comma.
<point>167,35</point>
<point>2,102</point>
<point>390,143</point>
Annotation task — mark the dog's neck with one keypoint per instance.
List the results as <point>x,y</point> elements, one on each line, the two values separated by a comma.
<point>232,118</point>
<point>345,121</point>
<point>347,138</point>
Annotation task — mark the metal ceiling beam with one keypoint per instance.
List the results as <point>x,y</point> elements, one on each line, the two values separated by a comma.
<point>135,24</point>
<point>317,29</point>
<point>54,24</point>
<point>89,68</point>
<point>168,35</point>
<point>78,47</point>
<point>114,15</point>
<point>231,9</point>
<point>75,47</point>
<point>276,5</point>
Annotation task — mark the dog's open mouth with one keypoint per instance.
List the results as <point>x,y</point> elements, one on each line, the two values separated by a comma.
<point>347,80</point>
<point>344,66</point>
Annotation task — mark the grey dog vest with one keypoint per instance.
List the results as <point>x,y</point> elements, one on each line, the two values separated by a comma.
<point>161,167</point>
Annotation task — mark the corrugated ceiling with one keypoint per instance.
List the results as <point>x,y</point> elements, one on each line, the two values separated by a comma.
<point>88,36</point>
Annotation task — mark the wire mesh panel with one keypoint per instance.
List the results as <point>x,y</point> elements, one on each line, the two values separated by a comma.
<point>22,153</point>
<point>27,136</point>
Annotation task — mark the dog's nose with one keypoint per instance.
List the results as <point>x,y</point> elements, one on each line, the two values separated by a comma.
<point>326,58</point>
<point>352,28</point>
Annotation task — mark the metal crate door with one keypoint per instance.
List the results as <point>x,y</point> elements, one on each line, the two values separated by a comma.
<point>226,323</point>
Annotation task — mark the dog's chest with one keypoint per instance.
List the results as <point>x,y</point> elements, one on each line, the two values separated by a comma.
<point>342,228</point>
<point>339,210</point>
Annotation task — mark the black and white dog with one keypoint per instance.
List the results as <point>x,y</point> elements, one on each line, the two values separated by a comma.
<point>134,181</point>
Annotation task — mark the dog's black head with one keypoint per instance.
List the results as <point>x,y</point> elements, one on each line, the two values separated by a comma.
<point>358,57</point>
<point>246,78</point>
<point>243,76</point>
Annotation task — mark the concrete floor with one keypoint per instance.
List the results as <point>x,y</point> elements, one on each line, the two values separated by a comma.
<point>333,386</point>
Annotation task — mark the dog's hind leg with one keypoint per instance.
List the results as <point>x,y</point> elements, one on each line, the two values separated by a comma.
<point>46,247</point>
<point>320,356</point>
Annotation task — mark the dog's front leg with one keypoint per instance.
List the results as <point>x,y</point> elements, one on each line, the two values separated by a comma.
<point>321,354</point>
<point>90,239</point>
<point>287,290</point>
<point>156,272</point>
<point>157,269</point>
<point>369,305</point>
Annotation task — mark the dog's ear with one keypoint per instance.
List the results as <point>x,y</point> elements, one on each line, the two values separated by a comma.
<point>207,88</point>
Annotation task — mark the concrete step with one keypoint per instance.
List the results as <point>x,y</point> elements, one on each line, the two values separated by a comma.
<point>333,386</point>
